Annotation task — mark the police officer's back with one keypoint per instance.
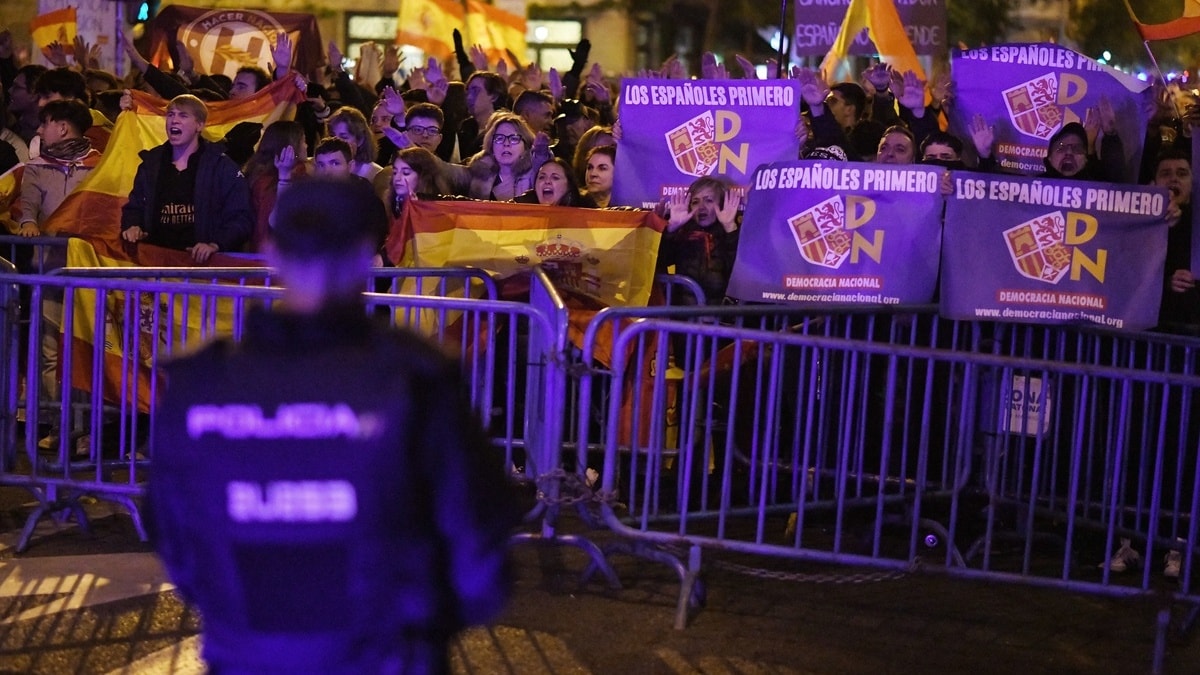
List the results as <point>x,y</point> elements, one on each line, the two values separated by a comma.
<point>321,492</point>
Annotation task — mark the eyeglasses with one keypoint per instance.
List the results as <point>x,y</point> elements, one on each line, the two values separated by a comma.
<point>1073,148</point>
<point>511,139</point>
<point>425,131</point>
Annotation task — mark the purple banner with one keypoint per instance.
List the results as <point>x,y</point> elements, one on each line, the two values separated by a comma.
<point>675,131</point>
<point>1053,251</point>
<point>818,22</point>
<point>1029,91</point>
<point>837,233</point>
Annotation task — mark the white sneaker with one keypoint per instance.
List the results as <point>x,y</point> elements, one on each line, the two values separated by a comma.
<point>1174,560</point>
<point>1125,558</point>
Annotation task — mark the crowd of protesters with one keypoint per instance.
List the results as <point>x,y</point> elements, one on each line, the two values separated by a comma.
<point>495,131</point>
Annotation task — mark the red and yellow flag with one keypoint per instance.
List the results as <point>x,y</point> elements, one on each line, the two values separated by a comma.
<point>57,26</point>
<point>882,23</point>
<point>94,209</point>
<point>497,31</point>
<point>183,320</point>
<point>10,189</point>
<point>93,214</point>
<point>429,25</point>
<point>1185,25</point>
<point>608,256</point>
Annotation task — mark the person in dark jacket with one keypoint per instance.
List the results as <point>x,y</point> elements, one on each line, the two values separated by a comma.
<point>322,491</point>
<point>1179,311</point>
<point>701,238</point>
<point>187,194</point>
<point>1070,155</point>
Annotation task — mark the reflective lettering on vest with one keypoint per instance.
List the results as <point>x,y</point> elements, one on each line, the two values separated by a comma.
<point>291,420</point>
<point>306,501</point>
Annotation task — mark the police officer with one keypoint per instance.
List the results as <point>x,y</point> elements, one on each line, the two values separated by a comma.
<point>321,491</point>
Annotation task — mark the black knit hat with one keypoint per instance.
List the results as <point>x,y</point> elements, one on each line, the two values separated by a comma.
<point>1070,129</point>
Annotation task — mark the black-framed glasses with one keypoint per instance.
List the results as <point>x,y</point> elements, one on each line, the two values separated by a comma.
<point>510,139</point>
<point>424,131</point>
<point>1074,148</point>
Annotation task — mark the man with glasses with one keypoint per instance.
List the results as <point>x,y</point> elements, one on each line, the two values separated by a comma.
<point>1070,153</point>
<point>423,126</point>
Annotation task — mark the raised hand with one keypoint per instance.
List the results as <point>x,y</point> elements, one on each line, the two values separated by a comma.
<point>555,83</point>
<point>878,76</point>
<point>708,66</point>
<point>942,92</point>
<point>727,214</point>
<point>185,58</point>
<point>597,86</point>
<point>285,162</point>
<point>983,135</point>
<point>80,51</point>
<point>93,56</point>
<point>393,102</point>
<point>678,211</point>
<point>438,84</point>
<point>335,57</point>
<point>137,59</point>
<point>813,90</point>
<point>479,57</point>
<point>1091,125</point>
<point>912,96</point>
<point>391,60</point>
<point>57,55</point>
<point>531,76</point>
<point>673,69</point>
<point>1108,116</point>
<point>281,53</point>
<point>748,70</point>
<point>502,68</point>
<point>579,55</point>
<point>417,79</point>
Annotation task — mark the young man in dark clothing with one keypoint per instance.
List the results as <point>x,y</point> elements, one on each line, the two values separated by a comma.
<point>187,194</point>
<point>322,491</point>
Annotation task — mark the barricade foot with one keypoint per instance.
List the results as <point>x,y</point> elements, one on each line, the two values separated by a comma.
<point>691,591</point>
<point>599,563</point>
<point>60,510</point>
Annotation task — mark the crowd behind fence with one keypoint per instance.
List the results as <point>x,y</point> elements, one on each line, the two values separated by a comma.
<point>894,440</point>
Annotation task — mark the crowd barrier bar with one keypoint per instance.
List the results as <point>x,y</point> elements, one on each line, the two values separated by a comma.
<point>894,442</point>
<point>151,319</point>
<point>33,254</point>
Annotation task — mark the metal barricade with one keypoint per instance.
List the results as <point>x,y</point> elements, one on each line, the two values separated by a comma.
<point>901,442</point>
<point>33,255</point>
<point>116,332</point>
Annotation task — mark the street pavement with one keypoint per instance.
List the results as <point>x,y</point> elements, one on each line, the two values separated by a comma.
<point>100,603</point>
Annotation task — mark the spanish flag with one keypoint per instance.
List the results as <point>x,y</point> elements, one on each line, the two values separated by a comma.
<point>429,25</point>
<point>57,26</point>
<point>93,214</point>
<point>94,209</point>
<point>1185,25</point>
<point>604,256</point>
<point>497,31</point>
<point>132,338</point>
<point>883,26</point>
<point>10,189</point>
